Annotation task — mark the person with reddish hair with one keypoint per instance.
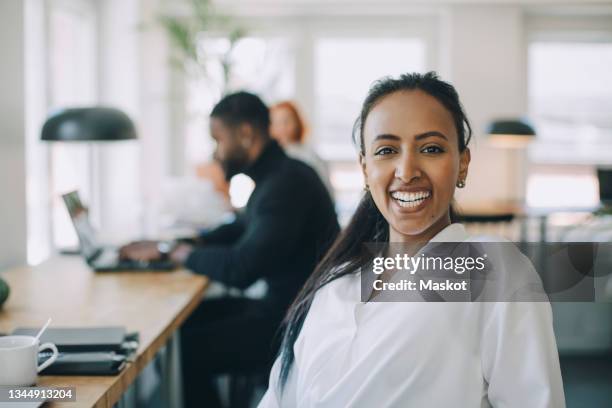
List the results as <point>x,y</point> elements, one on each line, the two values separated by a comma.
<point>289,129</point>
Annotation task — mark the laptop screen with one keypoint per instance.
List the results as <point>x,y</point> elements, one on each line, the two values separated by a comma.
<point>80,220</point>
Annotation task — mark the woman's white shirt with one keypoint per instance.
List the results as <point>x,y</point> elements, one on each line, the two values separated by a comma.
<point>420,354</point>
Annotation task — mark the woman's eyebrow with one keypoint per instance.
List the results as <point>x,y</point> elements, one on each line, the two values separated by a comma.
<point>420,136</point>
<point>431,133</point>
<point>386,136</point>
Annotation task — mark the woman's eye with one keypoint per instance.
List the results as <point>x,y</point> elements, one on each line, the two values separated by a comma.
<point>384,151</point>
<point>432,149</point>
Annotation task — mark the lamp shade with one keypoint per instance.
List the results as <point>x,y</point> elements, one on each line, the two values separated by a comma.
<point>510,132</point>
<point>88,125</point>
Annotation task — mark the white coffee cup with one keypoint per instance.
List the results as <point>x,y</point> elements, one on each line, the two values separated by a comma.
<point>19,360</point>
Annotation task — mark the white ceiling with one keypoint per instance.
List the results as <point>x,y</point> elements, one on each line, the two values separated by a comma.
<point>394,7</point>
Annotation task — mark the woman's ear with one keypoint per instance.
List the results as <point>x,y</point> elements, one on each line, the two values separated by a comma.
<point>464,163</point>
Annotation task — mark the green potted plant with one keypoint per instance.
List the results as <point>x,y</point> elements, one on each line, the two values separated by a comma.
<point>187,32</point>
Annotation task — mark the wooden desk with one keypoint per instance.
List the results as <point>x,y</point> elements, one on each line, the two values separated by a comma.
<point>153,303</point>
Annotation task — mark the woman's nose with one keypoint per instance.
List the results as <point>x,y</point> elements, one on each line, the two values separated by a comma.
<point>407,168</point>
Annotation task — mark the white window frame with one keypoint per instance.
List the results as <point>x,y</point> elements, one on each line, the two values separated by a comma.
<point>39,199</point>
<point>576,27</point>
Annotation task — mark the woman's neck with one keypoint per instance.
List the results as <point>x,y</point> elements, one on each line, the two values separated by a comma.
<point>415,242</point>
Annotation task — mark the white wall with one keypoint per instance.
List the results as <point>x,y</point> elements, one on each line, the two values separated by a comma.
<point>485,53</point>
<point>12,135</point>
<point>136,77</point>
<point>120,190</point>
<point>156,100</point>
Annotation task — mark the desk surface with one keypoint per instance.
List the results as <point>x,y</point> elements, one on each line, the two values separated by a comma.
<point>153,303</point>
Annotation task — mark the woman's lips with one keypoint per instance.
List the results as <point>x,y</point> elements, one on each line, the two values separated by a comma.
<point>411,201</point>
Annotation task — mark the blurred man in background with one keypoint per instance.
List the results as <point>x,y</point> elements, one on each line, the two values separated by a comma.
<point>288,225</point>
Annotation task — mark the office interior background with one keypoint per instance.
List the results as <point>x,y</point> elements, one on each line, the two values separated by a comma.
<point>545,61</point>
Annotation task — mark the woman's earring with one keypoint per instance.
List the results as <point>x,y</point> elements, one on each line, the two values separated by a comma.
<point>461,184</point>
<point>366,188</point>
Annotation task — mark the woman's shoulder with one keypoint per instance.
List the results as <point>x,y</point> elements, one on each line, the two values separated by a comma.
<point>332,302</point>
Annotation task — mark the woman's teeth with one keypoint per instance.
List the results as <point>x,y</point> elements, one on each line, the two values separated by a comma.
<point>405,199</point>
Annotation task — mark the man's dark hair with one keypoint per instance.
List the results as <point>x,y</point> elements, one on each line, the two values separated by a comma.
<point>243,107</point>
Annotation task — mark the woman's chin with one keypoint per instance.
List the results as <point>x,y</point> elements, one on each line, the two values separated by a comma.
<point>416,229</point>
<point>409,230</point>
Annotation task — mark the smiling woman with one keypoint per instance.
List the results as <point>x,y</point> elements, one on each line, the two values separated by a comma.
<point>412,159</point>
<point>338,351</point>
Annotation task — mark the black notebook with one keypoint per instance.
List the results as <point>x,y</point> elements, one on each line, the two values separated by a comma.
<point>80,339</point>
<point>96,363</point>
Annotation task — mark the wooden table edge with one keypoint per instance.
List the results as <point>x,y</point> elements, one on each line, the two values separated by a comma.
<point>129,374</point>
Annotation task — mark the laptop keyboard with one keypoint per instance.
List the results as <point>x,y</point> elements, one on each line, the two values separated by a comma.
<point>108,257</point>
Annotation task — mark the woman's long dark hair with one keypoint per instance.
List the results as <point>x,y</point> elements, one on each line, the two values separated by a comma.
<point>367,224</point>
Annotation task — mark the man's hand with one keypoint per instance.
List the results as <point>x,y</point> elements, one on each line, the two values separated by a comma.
<point>180,254</point>
<point>140,251</point>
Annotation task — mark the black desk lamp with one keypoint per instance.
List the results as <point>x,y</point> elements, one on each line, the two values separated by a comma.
<point>94,124</point>
<point>510,132</point>
<point>88,125</point>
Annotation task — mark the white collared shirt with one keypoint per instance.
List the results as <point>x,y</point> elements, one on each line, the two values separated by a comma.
<point>420,354</point>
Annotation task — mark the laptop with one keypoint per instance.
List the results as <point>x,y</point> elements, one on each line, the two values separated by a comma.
<point>98,257</point>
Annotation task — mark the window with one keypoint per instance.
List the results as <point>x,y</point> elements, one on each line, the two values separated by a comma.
<point>264,66</point>
<point>72,82</point>
<point>70,78</point>
<point>552,186</point>
<point>570,100</point>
